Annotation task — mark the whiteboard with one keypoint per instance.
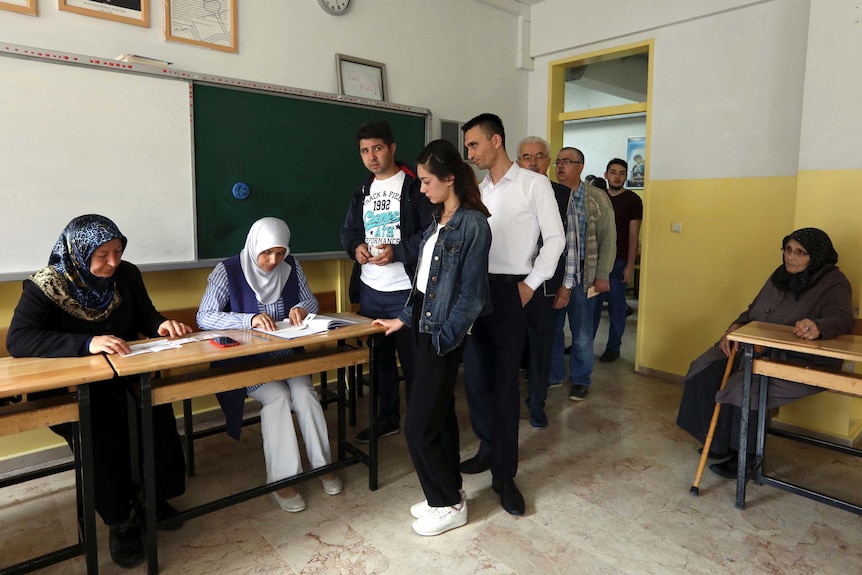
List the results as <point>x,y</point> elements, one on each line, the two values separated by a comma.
<point>77,140</point>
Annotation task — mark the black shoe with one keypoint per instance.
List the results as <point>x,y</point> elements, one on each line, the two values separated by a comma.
<point>568,350</point>
<point>579,392</point>
<point>510,498</point>
<point>476,464</point>
<point>165,514</point>
<point>383,430</point>
<point>538,419</point>
<point>610,355</point>
<point>125,543</point>
<point>730,467</point>
<point>629,310</point>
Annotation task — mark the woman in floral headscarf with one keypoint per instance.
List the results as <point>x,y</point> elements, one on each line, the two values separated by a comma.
<point>807,291</point>
<point>88,301</point>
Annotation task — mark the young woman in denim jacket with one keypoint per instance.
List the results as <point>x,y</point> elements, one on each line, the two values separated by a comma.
<point>450,290</point>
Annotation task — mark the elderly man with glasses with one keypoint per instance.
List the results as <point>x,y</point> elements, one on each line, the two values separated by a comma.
<point>591,247</point>
<point>534,155</point>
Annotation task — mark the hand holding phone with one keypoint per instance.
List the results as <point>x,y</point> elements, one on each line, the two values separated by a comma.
<point>223,341</point>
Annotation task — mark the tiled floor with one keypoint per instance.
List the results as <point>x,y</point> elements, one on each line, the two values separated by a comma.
<point>607,490</point>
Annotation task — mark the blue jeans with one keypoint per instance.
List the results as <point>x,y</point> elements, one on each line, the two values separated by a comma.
<point>580,313</point>
<point>616,307</point>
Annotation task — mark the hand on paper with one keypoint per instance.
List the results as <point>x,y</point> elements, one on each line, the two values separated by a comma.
<point>109,344</point>
<point>602,286</point>
<point>297,315</point>
<point>264,322</point>
<point>174,328</point>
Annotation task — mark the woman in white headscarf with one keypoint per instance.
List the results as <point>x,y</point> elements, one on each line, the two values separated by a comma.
<point>254,289</point>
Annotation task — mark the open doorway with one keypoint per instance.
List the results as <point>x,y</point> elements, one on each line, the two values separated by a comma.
<point>599,103</point>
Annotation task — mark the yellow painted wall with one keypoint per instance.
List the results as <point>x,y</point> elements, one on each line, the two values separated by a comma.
<point>168,290</point>
<point>832,200</point>
<point>694,283</point>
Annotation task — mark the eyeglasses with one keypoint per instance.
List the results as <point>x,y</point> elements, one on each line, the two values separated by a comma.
<point>566,162</point>
<point>530,157</point>
<point>795,251</point>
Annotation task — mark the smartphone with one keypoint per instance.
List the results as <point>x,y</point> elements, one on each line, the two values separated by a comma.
<point>223,341</point>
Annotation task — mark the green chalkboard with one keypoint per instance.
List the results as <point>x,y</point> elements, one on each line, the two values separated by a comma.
<point>298,156</point>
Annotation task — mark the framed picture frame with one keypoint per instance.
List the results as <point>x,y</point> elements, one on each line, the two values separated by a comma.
<point>206,24</point>
<point>636,158</point>
<point>21,6</point>
<point>361,78</point>
<point>135,12</point>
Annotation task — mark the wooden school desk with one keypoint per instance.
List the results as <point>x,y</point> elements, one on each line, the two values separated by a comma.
<point>27,375</point>
<point>330,352</point>
<point>780,337</point>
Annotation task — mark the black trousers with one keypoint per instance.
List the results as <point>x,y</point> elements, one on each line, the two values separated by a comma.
<point>697,405</point>
<point>115,492</point>
<point>541,329</point>
<point>431,426</point>
<point>492,356</point>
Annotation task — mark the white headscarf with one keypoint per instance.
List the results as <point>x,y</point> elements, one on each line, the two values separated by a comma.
<point>265,234</point>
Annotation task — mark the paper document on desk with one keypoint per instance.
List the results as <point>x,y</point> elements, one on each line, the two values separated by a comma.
<point>312,324</point>
<point>591,292</point>
<point>164,344</point>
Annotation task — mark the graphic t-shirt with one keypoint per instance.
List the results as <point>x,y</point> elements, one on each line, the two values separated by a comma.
<point>381,214</point>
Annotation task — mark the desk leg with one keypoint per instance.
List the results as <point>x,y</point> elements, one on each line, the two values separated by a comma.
<point>189,439</point>
<point>748,358</point>
<point>759,447</point>
<point>342,428</point>
<point>85,475</point>
<point>372,413</point>
<point>149,466</point>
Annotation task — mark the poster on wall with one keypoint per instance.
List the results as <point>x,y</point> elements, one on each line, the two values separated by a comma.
<point>206,24</point>
<point>127,11</point>
<point>20,6</point>
<point>636,158</point>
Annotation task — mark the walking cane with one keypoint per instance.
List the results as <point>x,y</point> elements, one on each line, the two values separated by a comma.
<point>695,490</point>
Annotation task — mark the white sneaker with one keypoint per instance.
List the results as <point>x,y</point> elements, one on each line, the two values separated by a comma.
<point>293,504</point>
<point>417,510</point>
<point>440,520</point>
<point>332,486</point>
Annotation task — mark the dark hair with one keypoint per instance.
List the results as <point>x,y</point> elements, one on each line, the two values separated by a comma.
<point>575,150</point>
<point>599,183</point>
<point>619,162</point>
<point>490,123</point>
<point>441,159</point>
<point>376,131</point>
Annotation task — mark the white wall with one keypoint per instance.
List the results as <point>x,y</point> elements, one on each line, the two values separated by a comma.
<point>456,57</point>
<point>601,141</point>
<point>727,88</point>
<point>831,122</point>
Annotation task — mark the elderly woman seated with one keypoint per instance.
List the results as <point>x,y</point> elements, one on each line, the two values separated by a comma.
<point>807,291</point>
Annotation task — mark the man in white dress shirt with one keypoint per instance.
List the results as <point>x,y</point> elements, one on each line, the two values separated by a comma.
<point>522,207</point>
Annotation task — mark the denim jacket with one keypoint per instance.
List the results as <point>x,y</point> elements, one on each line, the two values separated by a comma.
<point>457,291</point>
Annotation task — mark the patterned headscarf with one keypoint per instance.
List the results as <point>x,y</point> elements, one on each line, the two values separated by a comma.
<point>67,279</point>
<point>265,234</point>
<point>823,259</point>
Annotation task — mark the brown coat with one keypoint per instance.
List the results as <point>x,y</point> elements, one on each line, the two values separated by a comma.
<point>828,303</point>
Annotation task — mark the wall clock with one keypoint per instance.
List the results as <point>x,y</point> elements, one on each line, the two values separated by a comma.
<point>334,7</point>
